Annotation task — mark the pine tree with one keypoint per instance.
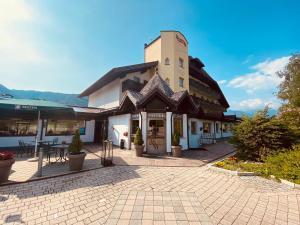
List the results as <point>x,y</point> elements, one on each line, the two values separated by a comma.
<point>259,136</point>
<point>138,140</point>
<point>76,144</point>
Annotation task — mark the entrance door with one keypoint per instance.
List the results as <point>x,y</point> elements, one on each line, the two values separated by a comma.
<point>156,137</point>
<point>99,131</point>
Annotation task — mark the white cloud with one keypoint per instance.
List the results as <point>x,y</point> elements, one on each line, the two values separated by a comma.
<point>16,43</point>
<point>255,103</point>
<point>263,77</point>
<point>222,81</point>
<point>248,59</point>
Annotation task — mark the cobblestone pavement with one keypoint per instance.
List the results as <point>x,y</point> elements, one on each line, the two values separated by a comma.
<point>150,195</point>
<point>189,158</point>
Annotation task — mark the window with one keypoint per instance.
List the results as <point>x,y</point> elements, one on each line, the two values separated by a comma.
<point>217,128</point>
<point>168,81</point>
<point>181,81</point>
<point>65,127</point>
<point>167,61</point>
<point>206,128</point>
<point>18,127</point>
<point>194,127</point>
<point>134,126</point>
<point>225,127</point>
<point>178,126</point>
<point>137,79</point>
<point>181,62</point>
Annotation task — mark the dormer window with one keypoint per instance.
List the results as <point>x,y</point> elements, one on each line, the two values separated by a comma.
<point>168,81</point>
<point>167,61</point>
<point>181,62</point>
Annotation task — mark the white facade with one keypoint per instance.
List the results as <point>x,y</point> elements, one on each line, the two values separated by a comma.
<point>117,127</point>
<point>107,97</point>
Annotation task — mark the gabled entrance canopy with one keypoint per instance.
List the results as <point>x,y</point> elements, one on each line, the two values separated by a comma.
<point>157,96</point>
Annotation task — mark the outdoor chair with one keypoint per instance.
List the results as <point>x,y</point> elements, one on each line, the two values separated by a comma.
<point>55,141</point>
<point>25,148</point>
<point>22,148</point>
<point>48,151</point>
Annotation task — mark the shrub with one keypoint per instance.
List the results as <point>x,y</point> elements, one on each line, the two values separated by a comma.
<point>138,140</point>
<point>257,137</point>
<point>175,139</point>
<point>285,165</point>
<point>76,144</point>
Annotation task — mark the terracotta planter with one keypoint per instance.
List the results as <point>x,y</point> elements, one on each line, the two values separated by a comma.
<point>139,149</point>
<point>176,151</point>
<point>5,168</point>
<point>76,161</point>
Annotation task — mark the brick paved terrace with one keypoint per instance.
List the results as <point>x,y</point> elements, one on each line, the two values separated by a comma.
<point>150,195</point>
<point>189,157</point>
<point>23,170</point>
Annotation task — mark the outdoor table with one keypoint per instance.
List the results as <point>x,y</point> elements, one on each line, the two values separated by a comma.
<point>43,142</point>
<point>61,148</point>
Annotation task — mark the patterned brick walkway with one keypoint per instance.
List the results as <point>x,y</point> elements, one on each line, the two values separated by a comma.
<point>150,195</point>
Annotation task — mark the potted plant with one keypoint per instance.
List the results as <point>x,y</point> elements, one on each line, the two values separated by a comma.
<point>6,162</point>
<point>176,148</point>
<point>76,156</point>
<point>138,143</point>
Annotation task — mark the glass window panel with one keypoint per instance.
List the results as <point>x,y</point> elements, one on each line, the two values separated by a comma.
<point>181,82</point>
<point>206,127</point>
<point>194,127</point>
<point>217,128</point>
<point>18,127</point>
<point>134,126</point>
<point>65,127</point>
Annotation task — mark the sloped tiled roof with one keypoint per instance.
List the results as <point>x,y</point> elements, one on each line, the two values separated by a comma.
<point>178,95</point>
<point>116,73</point>
<point>156,85</point>
<point>157,82</point>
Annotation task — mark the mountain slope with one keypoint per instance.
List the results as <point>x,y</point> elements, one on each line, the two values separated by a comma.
<point>68,99</point>
<point>240,113</point>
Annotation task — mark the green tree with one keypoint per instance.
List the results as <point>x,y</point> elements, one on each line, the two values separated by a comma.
<point>259,136</point>
<point>289,92</point>
<point>138,140</point>
<point>76,144</point>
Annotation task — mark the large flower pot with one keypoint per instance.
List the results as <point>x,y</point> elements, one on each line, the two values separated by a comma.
<point>5,168</point>
<point>176,151</point>
<point>139,149</point>
<point>76,161</point>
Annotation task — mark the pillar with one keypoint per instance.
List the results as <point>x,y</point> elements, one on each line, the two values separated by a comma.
<point>185,130</point>
<point>144,128</point>
<point>168,132</point>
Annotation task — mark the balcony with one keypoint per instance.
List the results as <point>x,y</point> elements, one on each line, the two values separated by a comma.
<point>131,85</point>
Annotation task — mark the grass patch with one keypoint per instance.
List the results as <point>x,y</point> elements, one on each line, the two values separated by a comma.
<point>234,164</point>
<point>284,165</point>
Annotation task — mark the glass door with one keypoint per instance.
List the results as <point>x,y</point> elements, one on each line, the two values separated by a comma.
<point>156,141</point>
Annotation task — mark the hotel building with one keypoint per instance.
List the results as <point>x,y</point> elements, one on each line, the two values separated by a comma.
<point>169,92</point>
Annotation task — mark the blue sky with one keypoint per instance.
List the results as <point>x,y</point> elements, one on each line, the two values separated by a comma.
<point>65,46</point>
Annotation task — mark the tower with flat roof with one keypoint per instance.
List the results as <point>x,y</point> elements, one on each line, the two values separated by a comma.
<point>170,49</point>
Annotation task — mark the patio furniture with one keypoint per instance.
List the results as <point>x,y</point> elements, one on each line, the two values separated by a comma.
<point>55,141</point>
<point>49,151</point>
<point>25,148</point>
<point>61,150</point>
<point>22,148</point>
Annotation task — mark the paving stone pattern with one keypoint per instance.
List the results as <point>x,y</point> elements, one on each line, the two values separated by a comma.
<point>150,195</point>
